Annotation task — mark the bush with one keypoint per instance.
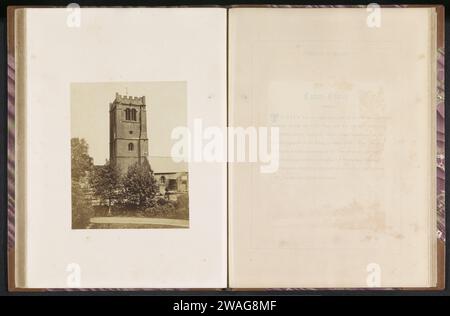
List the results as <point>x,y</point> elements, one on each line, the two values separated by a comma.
<point>161,201</point>
<point>82,209</point>
<point>181,207</point>
<point>81,218</point>
<point>162,207</point>
<point>182,202</point>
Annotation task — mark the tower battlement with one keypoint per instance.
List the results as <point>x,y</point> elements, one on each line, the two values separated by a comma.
<point>127,100</point>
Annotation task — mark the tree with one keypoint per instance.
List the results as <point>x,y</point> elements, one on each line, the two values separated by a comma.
<point>140,185</point>
<point>106,184</point>
<point>81,161</point>
<point>82,210</point>
<point>82,164</point>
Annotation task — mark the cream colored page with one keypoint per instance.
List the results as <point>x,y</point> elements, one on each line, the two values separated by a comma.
<point>349,205</point>
<point>117,46</point>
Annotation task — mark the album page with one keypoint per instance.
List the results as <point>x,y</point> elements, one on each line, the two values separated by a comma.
<point>107,101</point>
<point>340,189</point>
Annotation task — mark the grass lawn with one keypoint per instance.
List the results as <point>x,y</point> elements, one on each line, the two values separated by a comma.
<point>129,226</point>
<point>173,214</point>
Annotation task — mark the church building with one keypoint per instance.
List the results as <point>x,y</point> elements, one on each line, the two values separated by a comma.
<point>128,144</point>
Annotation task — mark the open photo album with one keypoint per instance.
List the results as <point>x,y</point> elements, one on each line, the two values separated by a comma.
<point>226,148</point>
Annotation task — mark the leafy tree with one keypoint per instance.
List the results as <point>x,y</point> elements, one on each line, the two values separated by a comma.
<point>82,164</point>
<point>140,185</point>
<point>82,209</point>
<point>106,184</point>
<point>81,161</point>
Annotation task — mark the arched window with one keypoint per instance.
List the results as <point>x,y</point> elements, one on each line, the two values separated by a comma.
<point>162,180</point>
<point>130,147</point>
<point>130,114</point>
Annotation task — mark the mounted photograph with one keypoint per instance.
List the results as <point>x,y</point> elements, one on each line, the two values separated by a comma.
<point>122,172</point>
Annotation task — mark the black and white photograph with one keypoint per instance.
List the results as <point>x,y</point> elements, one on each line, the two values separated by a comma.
<point>122,172</point>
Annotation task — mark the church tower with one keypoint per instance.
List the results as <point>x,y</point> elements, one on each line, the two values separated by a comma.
<point>128,142</point>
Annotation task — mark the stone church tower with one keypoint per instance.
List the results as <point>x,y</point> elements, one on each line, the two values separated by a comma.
<point>128,142</point>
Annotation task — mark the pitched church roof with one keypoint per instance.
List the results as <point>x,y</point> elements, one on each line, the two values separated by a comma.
<point>166,165</point>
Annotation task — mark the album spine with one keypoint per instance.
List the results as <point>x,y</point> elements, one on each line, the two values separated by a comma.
<point>20,147</point>
<point>432,88</point>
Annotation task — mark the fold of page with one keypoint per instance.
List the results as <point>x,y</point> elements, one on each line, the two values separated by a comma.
<point>352,200</point>
<point>136,46</point>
